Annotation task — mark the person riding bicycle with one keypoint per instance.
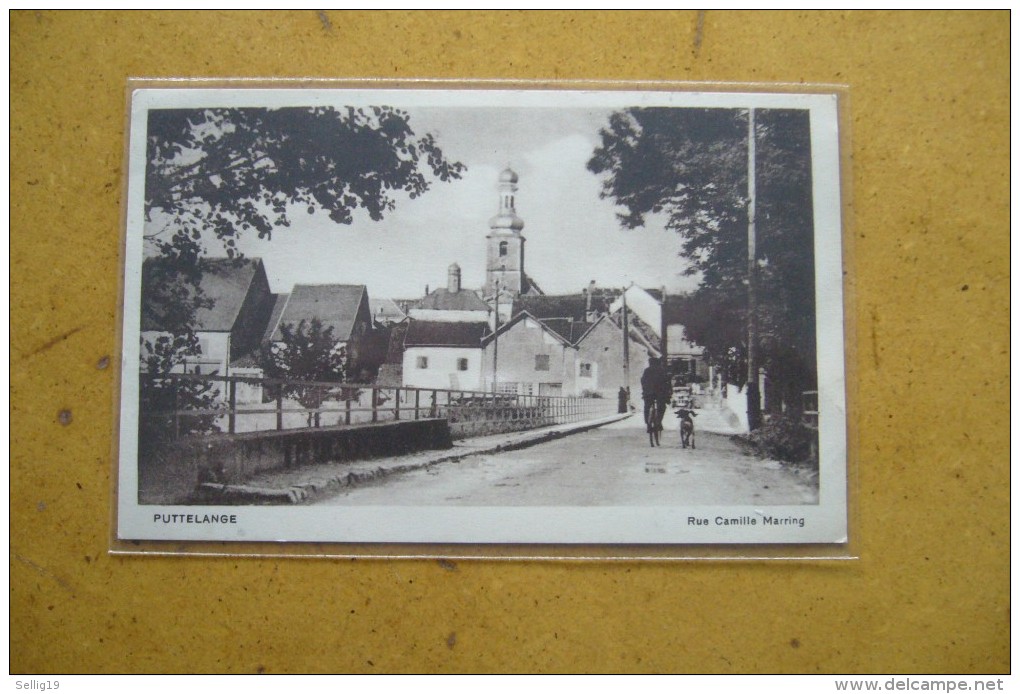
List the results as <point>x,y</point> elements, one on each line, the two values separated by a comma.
<point>655,390</point>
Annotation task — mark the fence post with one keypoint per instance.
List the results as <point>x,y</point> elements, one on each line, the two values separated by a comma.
<point>396,406</point>
<point>417,402</point>
<point>375,404</point>
<point>232,390</point>
<point>434,412</point>
<point>279,407</point>
<point>347,408</point>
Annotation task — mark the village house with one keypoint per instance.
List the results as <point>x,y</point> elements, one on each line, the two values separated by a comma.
<point>344,308</point>
<point>527,357</point>
<point>452,303</point>
<point>443,354</point>
<point>656,312</point>
<point>229,330</point>
<point>601,361</point>
<point>560,356</point>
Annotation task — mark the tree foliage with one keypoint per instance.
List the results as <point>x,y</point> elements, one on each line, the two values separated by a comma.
<point>307,352</point>
<point>219,173</point>
<point>161,397</point>
<point>688,167</point>
<point>246,170</point>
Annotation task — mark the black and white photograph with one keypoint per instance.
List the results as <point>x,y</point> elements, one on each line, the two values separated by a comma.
<point>508,316</point>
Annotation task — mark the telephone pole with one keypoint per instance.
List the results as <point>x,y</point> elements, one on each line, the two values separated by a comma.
<point>495,340</point>
<point>626,348</point>
<point>753,396</point>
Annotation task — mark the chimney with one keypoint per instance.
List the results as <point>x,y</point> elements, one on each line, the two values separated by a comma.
<point>587,305</point>
<point>453,279</point>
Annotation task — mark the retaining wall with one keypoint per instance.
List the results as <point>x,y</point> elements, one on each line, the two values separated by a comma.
<point>171,472</point>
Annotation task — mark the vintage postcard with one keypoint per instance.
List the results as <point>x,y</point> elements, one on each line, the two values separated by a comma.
<point>483,316</point>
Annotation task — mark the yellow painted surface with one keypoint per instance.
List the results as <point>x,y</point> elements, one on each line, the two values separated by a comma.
<point>930,134</point>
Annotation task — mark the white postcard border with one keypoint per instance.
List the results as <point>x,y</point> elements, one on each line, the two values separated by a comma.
<point>826,522</point>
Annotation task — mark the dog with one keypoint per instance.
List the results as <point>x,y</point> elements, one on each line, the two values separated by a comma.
<point>686,417</point>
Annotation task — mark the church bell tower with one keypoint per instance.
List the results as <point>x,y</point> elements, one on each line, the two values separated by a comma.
<point>505,257</point>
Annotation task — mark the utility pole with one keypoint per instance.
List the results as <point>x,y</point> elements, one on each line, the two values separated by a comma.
<point>495,340</point>
<point>753,396</point>
<point>663,341</point>
<point>626,348</point>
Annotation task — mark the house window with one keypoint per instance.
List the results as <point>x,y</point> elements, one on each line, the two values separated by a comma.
<point>462,365</point>
<point>506,388</point>
<point>503,248</point>
<point>423,362</point>
<point>585,370</point>
<point>541,362</point>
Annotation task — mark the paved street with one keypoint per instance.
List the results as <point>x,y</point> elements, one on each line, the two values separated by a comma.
<point>612,465</point>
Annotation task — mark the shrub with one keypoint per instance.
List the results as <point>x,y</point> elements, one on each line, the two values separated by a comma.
<point>784,437</point>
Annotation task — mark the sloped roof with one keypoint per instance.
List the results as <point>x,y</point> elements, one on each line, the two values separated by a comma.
<point>529,286</point>
<point>444,300</point>
<point>673,307</point>
<point>522,316</point>
<point>570,330</point>
<point>386,309</point>
<point>639,331</point>
<point>571,306</point>
<point>426,333</point>
<point>224,280</point>
<point>279,303</point>
<point>334,305</point>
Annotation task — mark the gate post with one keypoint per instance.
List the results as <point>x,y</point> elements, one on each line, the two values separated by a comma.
<point>279,407</point>
<point>232,390</point>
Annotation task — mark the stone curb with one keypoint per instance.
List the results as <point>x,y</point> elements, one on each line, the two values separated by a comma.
<point>303,493</point>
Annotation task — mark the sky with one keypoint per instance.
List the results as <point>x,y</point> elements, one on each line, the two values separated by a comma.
<point>572,236</point>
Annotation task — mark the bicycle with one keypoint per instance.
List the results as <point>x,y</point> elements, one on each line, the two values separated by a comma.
<point>653,423</point>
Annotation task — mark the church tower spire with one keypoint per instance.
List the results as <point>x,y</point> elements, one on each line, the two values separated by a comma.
<point>505,257</point>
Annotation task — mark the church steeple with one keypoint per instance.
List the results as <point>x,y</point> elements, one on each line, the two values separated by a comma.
<point>505,257</point>
<point>507,217</point>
